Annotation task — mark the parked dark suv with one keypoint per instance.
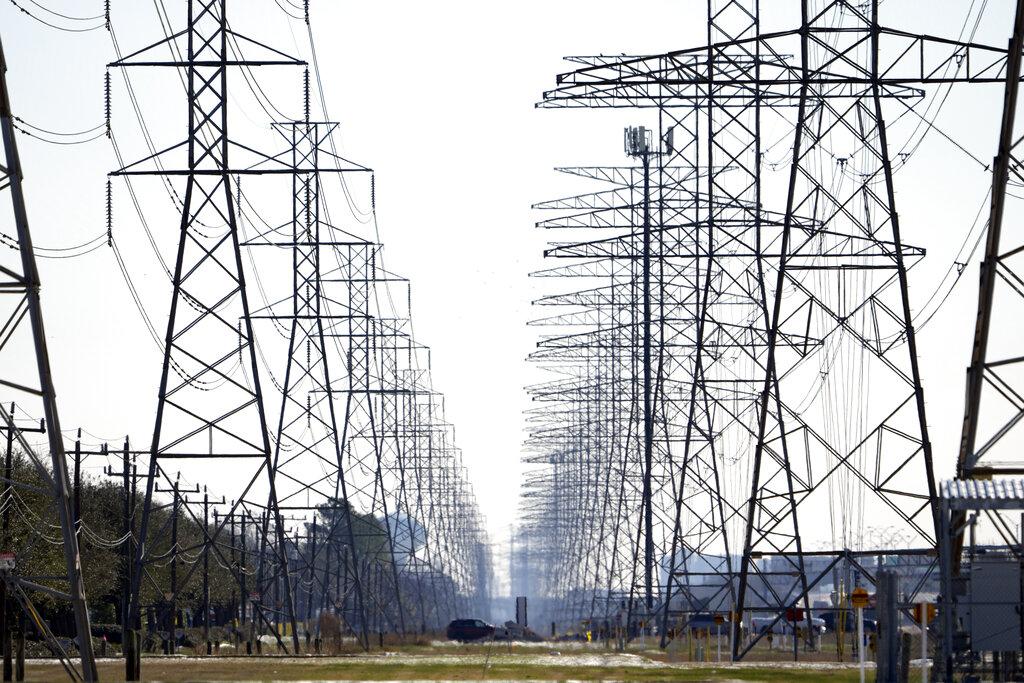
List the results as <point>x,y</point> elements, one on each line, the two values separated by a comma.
<point>465,630</point>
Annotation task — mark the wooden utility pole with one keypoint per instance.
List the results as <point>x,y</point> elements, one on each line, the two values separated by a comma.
<point>173,598</point>
<point>206,573</point>
<point>76,508</point>
<point>5,630</point>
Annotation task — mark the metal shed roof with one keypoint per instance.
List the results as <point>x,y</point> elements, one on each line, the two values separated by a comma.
<point>990,494</point>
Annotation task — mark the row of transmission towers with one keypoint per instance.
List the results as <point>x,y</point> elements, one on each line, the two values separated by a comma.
<point>341,490</point>
<point>734,385</point>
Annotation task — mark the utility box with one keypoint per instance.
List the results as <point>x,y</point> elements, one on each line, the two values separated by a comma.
<point>995,604</point>
<point>521,612</point>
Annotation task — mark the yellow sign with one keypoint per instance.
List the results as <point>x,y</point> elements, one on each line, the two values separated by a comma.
<point>929,612</point>
<point>859,597</point>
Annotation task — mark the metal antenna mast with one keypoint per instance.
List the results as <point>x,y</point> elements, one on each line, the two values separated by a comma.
<point>619,353</point>
<point>19,282</point>
<point>638,145</point>
<point>209,384</point>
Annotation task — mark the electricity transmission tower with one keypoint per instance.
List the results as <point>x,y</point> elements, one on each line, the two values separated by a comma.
<point>629,343</point>
<point>369,392</point>
<point>210,406</point>
<point>349,457</point>
<point>357,439</point>
<point>804,379</point>
<point>32,384</point>
<point>994,405</point>
<point>995,402</point>
<point>358,502</point>
<point>308,458</point>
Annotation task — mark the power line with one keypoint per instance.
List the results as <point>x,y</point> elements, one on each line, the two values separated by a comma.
<point>55,26</point>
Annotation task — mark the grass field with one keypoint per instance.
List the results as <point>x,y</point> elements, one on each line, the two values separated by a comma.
<point>466,664</point>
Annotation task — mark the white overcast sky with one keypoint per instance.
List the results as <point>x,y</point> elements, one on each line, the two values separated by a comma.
<point>437,97</point>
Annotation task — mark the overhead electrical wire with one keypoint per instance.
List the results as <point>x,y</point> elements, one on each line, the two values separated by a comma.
<point>365,217</point>
<point>36,136</point>
<point>62,134</point>
<point>57,250</point>
<point>65,16</point>
<point>285,10</point>
<point>956,269</point>
<point>52,25</point>
<point>137,299</point>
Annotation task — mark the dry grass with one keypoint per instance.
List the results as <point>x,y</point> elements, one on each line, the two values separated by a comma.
<point>444,664</point>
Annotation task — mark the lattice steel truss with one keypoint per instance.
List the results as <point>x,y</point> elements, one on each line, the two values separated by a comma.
<point>799,388</point>
<point>206,412</point>
<point>30,383</point>
<point>994,400</point>
<point>357,503</point>
<point>308,460</point>
<point>994,405</point>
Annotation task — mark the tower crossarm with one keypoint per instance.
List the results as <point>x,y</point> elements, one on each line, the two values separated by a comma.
<point>678,78</point>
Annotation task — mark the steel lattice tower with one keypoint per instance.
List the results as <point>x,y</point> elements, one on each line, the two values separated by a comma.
<point>208,411</point>
<point>810,293</point>
<point>368,426</point>
<point>32,384</point>
<point>308,459</point>
<point>632,338</point>
<point>994,405</point>
<point>357,503</point>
